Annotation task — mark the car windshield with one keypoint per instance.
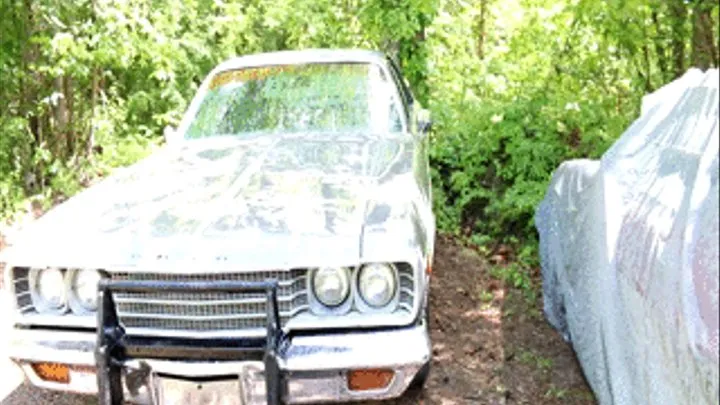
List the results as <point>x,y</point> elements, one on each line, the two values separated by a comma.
<point>321,97</point>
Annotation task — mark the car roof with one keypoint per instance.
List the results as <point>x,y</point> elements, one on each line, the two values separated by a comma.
<point>303,56</point>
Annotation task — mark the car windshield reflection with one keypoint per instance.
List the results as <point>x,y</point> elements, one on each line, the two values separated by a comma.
<point>316,97</point>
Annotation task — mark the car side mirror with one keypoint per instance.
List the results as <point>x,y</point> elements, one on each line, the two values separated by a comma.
<point>424,121</point>
<point>171,135</point>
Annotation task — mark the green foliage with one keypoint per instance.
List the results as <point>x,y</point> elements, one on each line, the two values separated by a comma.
<point>515,87</point>
<point>533,101</point>
<point>516,276</point>
<point>556,393</point>
<point>530,358</point>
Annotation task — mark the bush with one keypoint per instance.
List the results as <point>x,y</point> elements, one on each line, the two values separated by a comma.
<point>491,163</point>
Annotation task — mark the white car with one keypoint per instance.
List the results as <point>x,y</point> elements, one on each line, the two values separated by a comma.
<point>276,250</point>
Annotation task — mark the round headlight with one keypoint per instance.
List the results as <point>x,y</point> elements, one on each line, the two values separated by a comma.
<point>83,290</point>
<point>331,286</point>
<point>376,283</point>
<point>48,290</point>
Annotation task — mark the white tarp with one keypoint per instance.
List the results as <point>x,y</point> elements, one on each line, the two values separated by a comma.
<point>629,252</point>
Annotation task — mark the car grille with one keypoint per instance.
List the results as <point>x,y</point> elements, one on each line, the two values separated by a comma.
<point>208,315</point>
<point>201,312</point>
<point>407,287</point>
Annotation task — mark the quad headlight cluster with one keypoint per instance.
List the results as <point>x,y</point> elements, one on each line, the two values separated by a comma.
<point>371,287</point>
<point>55,291</point>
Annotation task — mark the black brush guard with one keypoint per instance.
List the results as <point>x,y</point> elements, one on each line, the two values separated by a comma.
<point>114,346</point>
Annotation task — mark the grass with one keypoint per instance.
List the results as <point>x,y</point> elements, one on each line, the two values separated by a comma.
<point>486,296</point>
<point>530,358</point>
<point>556,393</point>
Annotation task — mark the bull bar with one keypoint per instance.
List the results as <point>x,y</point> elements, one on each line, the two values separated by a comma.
<point>115,346</point>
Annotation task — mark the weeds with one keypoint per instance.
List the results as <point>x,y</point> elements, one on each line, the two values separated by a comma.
<point>543,364</point>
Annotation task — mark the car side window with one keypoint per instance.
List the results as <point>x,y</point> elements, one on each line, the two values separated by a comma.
<point>386,102</point>
<point>403,89</point>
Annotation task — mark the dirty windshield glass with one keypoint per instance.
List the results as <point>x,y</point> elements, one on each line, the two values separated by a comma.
<point>328,97</point>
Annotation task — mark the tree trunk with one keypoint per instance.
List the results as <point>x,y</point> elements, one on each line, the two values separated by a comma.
<point>648,68</point>
<point>659,47</point>
<point>481,29</point>
<point>93,104</point>
<point>646,60</point>
<point>94,91</point>
<point>29,83</point>
<point>60,110</point>
<point>703,41</point>
<point>28,57</point>
<point>678,15</point>
<point>70,131</point>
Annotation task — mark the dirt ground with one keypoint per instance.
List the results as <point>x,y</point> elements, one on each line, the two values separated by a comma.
<point>490,345</point>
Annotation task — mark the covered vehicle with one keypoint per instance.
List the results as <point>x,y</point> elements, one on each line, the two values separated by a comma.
<point>274,251</point>
<point>629,251</point>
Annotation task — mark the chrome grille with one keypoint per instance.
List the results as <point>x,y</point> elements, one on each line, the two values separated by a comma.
<point>407,287</point>
<point>193,312</point>
<point>21,284</point>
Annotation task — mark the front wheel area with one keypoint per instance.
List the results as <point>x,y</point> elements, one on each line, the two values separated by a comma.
<point>417,386</point>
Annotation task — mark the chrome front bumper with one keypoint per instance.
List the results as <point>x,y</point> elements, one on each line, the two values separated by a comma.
<point>314,368</point>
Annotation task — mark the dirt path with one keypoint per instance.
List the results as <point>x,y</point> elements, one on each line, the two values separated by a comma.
<point>490,345</point>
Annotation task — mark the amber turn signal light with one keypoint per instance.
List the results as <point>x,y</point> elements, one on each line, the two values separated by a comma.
<point>53,372</point>
<point>369,379</point>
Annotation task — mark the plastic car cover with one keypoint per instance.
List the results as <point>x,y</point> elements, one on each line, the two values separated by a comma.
<point>629,252</point>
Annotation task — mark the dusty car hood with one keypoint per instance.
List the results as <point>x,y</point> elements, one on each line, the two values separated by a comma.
<point>269,201</point>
